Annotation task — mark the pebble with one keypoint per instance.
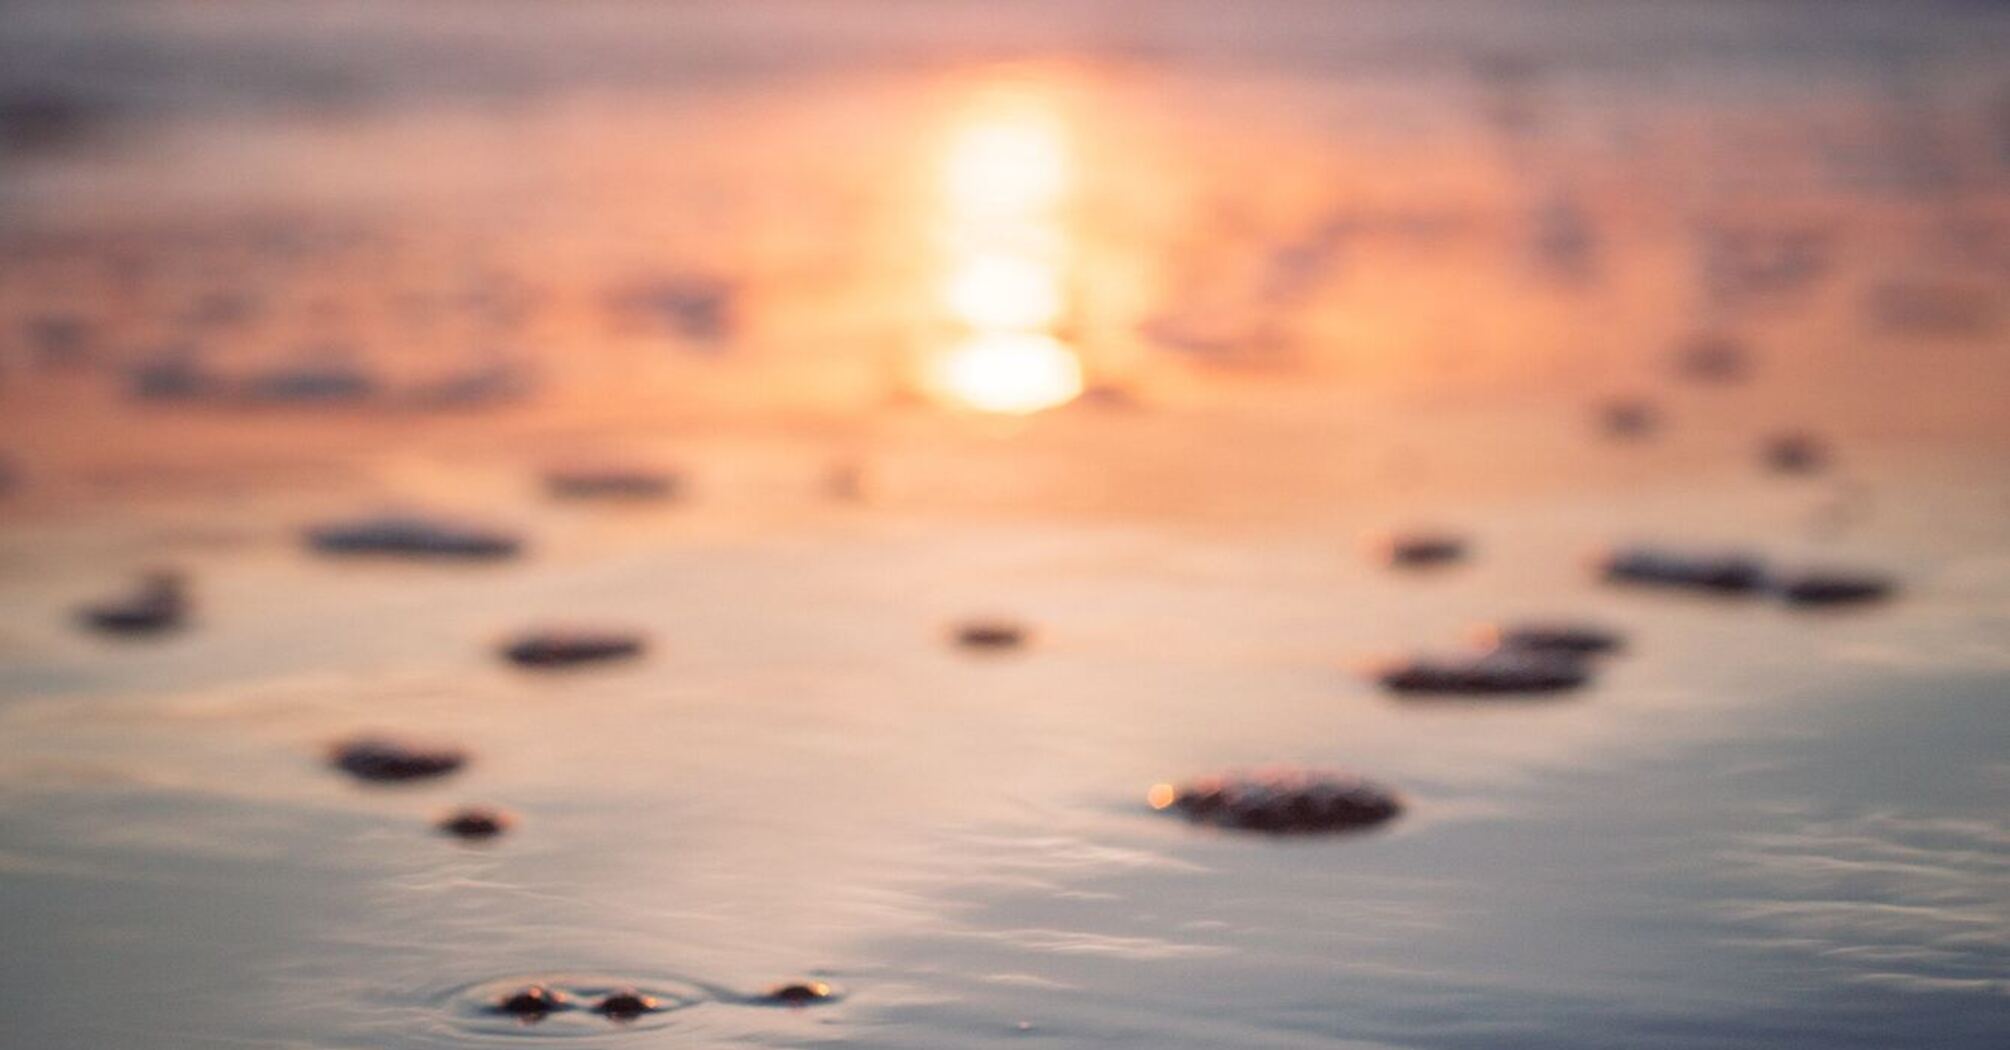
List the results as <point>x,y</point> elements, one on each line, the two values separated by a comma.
<point>1290,801</point>
<point>1796,453</point>
<point>1713,359</point>
<point>384,760</point>
<point>799,993</point>
<point>1628,419</point>
<point>995,635</point>
<point>533,1003</point>
<point>475,823</point>
<point>1727,573</point>
<point>1560,638</point>
<point>1494,672</point>
<point>412,538</point>
<point>1423,550</point>
<point>568,648</point>
<point>611,484</point>
<point>626,1005</point>
<point>160,603</point>
<point>1834,588</point>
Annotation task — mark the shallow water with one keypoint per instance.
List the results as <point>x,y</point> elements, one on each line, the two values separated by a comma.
<point>1265,295</point>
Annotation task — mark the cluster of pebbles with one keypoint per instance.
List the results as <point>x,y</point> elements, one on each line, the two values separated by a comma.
<point>1737,573</point>
<point>1524,658</point>
<point>1532,658</point>
<point>538,1001</point>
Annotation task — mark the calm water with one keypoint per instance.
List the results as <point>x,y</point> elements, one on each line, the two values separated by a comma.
<point>1134,322</point>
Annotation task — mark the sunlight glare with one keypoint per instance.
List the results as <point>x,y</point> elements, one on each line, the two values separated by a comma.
<point>1004,247</point>
<point>1008,372</point>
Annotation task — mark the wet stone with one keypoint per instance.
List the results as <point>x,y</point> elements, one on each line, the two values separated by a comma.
<point>626,1005</point>
<point>1423,550</point>
<point>1560,638</point>
<point>571,648</point>
<point>697,307</point>
<point>1796,454</point>
<point>160,603</point>
<point>1490,673</point>
<point>59,339</point>
<point>1835,588</point>
<point>637,485</point>
<point>389,761</point>
<point>991,635</point>
<point>1628,419</point>
<point>1726,573</point>
<point>533,1003</point>
<point>1280,802</point>
<point>332,383</point>
<point>799,993</point>
<point>174,375</point>
<point>1713,359</point>
<point>475,823</point>
<point>411,538</point>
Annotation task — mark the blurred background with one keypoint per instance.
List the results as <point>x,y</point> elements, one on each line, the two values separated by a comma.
<point>783,337</point>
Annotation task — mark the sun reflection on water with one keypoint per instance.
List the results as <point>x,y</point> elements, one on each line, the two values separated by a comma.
<point>1006,176</point>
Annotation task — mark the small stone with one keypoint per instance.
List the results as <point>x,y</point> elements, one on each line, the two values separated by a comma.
<point>159,604</point>
<point>1726,573</point>
<point>1558,638</point>
<point>1289,801</point>
<point>1834,588</point>
<point>1796,454</point>
<point>412,538</point>
<point>1628,419</point>
<point>568,648</point>
<point>326,383</point>
<point>611,484</point>
<point>1713,359</point>
<point>384,760</point>
<point>1490,673</point>
<point>995,635</point>
<point>533,1003</point>
<point>1423,550</point>
<point>626,1005</point>
<point>475,823</point>
<point>799,993</point>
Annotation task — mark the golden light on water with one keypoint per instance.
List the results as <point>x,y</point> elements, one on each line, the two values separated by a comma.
<point>1005,291</point>
<point>1009,372</point>
<point>1007,172</point>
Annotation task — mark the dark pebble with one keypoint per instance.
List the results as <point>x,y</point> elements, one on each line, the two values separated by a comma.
<point>411,538</point>
<point>533,1003</point>
<point>799,993</point>
<point>475,823</point>
<point>1628,419</point>
<point>378,759</point>
<point>627,1005</point>
<point>548,649</point>
<point>1834,588</point>
<point>634,485</point>
<point>1796,454</point>
<point>1490,673</point>
<point>1423,550</point>
<point>1713,359</point>
<point>996,635</point>
<point>1559,638</point>
<point>160,603</point>
<point>1280,802</point>
<point>1725,573</point>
